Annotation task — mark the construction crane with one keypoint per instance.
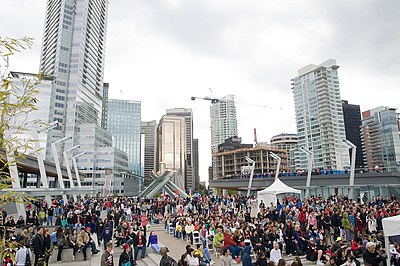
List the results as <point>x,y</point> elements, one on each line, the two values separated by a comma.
<point>212,100</point>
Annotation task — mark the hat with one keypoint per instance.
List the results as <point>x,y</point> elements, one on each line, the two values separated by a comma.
<point>338,239</point>
<point>125,246</point>
<point>88,228</point>
<point>13,239</point>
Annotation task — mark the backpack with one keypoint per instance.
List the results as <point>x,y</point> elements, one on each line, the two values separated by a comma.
<point>28,261</point>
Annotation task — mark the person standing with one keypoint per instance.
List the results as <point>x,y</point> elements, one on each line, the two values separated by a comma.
<point>23,255</point>
<point>126,258</point>
<point>60,242</point>
<point>139,243</point>
<point>107,257</point>
<point>38,248</point>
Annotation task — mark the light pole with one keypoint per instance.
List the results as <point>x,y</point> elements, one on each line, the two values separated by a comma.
<point>276,157</point>
<point>353,164</point>
<point>66,161</point>
<point>57,162</point>
<point>309,169</point>
<point>40,159</point>
<point>76,167</point>
<point>249,160</point>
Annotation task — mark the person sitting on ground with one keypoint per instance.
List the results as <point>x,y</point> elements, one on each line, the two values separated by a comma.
<point>337,245</point>
<point>261,259</point>
<point>226,258</point>
<point>153,242</point>
<point>314,252</point>
<point>126,258</point>
<point>371,255</point>
<point>276,253</point>
<point>296,262</point>
<point>182,261</point>
<point>191,259</point>
<point>282,262</point>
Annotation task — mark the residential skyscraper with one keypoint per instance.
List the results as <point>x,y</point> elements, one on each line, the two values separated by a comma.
<point>123,122</point>
<point>187,113</point>
<point>223,124</point>
<point>148,130</point>
<point>352,124</point>
<point>319,116</point>
<point>171,135</point>
<point>381,135</point>
<point>196,173</point>
<point>73,53</point>
<point>104,113</point>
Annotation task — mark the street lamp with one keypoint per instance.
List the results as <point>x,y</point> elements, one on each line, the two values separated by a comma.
<point>249,160</point>
<point>71,181</point>
<point>40,159</point>
<point>57,162</point>
<point>76,167</point>
<point>309,169</point>
<point>353,164</point>
<point>276,157</point>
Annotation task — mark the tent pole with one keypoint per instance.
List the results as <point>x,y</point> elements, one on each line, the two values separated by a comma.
<point>387,250</point>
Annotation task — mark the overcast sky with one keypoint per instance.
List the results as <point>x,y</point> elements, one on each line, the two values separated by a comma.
<point>164,52</point>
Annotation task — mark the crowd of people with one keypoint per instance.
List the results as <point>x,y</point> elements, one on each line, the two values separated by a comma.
<point>331,231</point>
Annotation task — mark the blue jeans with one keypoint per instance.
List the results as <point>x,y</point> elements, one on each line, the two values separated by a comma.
<point>136,248</point>
<point>49,220</point>
<point>235,251</point>
<point>156,248</point>
<point>207,255</point>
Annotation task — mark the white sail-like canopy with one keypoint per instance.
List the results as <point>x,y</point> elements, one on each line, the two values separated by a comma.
<point>269,195</point>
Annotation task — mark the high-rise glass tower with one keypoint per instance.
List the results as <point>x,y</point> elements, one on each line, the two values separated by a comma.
<point>381,139</point>
<point>187,113</point>
<point>172,146</point>
<point>352,124</point>
<point>73,53</point>
<point>319,116</point>
<point>148,143</point>
<point>223,123</point>
<point>123,122</point>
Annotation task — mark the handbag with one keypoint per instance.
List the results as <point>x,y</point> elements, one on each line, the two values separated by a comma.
<point>126,263</point>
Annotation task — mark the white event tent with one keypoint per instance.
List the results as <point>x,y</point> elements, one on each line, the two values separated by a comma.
<point>391,227</point>
<point>274,191</point>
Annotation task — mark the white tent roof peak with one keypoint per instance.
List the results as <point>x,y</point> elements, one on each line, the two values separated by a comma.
<point>278,187</point>
<point>391,226</point>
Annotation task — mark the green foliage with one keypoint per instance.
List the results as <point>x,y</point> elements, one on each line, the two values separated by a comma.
<point>16,102</point>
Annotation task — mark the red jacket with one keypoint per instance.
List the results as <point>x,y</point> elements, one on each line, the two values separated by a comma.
<point>355,246</point>
<point>228,241</point>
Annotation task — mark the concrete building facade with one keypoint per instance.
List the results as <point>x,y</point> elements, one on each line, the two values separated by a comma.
<point>319,116</point>
<point>287,142</point>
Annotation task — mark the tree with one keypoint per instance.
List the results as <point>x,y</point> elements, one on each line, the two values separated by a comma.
<point>16,102</point>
